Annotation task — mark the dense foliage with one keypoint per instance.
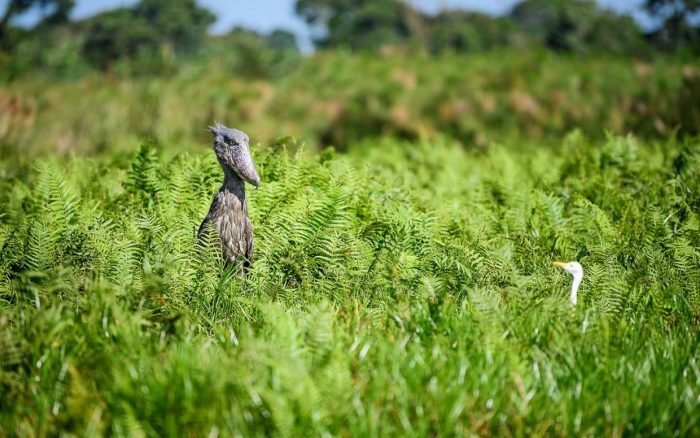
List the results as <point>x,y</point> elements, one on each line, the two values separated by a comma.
<point>400,289</point>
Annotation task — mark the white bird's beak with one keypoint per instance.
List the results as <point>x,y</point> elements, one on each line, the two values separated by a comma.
<point>559,264</point>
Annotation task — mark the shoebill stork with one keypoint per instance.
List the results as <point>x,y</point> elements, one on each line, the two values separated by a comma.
<point>228,214</point>
<point>576,270</point>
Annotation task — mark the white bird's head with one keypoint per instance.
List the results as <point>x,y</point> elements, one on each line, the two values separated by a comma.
<point>575,269</point>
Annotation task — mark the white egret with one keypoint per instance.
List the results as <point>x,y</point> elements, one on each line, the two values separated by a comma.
<point>576,270</point>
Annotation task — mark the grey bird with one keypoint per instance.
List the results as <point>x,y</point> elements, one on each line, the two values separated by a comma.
<point>228,213</point>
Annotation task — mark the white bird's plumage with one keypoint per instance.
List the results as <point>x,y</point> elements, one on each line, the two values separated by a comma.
<point>576,270</point>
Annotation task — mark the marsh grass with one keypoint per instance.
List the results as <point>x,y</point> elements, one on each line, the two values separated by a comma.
<point>334,98</point>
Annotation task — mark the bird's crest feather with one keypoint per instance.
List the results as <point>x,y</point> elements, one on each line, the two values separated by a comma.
<point>217,128</point>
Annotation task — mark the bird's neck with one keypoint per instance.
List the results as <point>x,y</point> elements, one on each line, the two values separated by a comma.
<point>233,185</point>
<point>574,288</point>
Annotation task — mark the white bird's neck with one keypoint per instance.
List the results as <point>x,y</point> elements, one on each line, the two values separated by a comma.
<point>574,288</point>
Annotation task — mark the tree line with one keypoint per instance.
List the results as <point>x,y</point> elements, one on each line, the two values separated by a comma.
<point>152,33</point>
<point>577,26</point>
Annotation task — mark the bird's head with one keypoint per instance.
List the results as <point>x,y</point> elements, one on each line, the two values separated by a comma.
<point>231,147</point>
<point>573,268</point>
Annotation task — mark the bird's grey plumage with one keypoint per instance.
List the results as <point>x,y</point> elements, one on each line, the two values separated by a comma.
<point>228,214</point>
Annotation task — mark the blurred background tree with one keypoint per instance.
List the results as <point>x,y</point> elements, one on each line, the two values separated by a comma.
<point>181,24</point>
<point>116,35</point>
<point>50,44</point>
<point>362,24</point>
<point>59,14</point>
<point>463,31</point>
<point>676,30</point>
<point>253,54</point>
<point>578,26</point>
<point>148,33</point>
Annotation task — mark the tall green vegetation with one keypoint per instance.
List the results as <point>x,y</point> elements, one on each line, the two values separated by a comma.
<point>399,289</point>
<point>339,99</point>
